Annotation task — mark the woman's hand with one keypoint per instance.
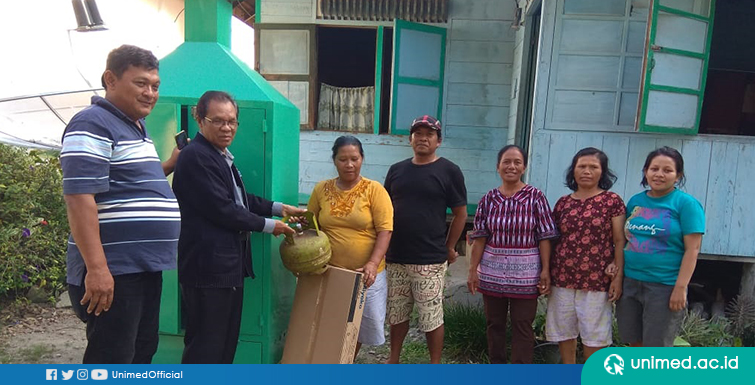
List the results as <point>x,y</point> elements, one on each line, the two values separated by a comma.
<point>292,211</point>
<point>473,281</point>
<point>295,215</point>
<point>678,299</point>
<point>370,273</point>
<point>612,270</point>
<point>692,243</point>
<point>544,285</point>
<point>614,291</point>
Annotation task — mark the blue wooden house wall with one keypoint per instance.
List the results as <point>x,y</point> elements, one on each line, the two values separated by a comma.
<point>575,107</point>
<point>587,81</point>
<point>476,104</point>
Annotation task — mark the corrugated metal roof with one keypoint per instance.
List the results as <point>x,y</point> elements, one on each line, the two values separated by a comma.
<point>38,120</point>
<point>421,11</point>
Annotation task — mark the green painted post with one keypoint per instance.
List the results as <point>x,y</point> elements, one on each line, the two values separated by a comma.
<point>267,154</point>
<point>208,21</point>
<point>378,80</point>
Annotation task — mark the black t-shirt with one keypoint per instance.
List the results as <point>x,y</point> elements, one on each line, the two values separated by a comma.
<point>421,194</point>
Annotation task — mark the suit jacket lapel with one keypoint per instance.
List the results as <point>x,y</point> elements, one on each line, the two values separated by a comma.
<point>237,177</point>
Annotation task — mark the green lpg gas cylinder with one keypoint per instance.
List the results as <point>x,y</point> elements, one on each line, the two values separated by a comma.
<point>308,251</point>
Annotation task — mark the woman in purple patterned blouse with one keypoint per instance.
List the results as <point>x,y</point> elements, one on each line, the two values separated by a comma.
<point>591,223</point>
<point>509,262</point>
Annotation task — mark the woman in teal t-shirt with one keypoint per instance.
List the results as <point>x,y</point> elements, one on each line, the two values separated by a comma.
<point>664,229</point>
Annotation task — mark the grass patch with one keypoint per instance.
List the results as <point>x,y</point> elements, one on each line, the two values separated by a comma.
<point>4,356</point>
<point>35,353</point>
<point>415,352</point>
<point>465,336</point>
<point>31,355</point>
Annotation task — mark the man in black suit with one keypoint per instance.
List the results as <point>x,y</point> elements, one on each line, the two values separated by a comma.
<point>217,214</point>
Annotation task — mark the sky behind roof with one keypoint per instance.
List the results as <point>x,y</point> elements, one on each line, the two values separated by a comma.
<point>43,53</point>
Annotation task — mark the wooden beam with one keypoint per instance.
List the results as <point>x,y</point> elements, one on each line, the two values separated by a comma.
<point>727,258</point>
<point>245,11</point>
<point>747,284</point>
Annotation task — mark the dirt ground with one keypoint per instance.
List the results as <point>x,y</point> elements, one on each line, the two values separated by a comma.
<point>49,334</point>
<point>40,334</point>
<point>43,334</point>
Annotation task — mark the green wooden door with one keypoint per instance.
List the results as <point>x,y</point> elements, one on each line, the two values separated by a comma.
<point>248,149</point>
<point>162,124</point>
<point>675,65</point>
<point>419,53</point>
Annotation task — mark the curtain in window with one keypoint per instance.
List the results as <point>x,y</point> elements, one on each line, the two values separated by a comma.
<point>346,109</point>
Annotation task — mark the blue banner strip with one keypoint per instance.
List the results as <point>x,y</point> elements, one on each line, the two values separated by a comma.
<point>292,374</point>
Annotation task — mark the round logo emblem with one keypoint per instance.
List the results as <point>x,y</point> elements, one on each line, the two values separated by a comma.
<point>614,364</point>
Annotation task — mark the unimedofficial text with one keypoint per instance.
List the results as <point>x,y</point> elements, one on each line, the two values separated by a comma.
<point>147,374</point>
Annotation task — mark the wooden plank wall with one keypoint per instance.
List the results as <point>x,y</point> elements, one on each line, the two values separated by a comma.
<point>297,93</point>
<point>719,174</point>
<point>479,58</point>
<point>287,11</point>
<point>517,72</point>
<point>718,168</point>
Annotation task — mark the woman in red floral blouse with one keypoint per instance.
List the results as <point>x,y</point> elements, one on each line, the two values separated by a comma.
<point>591,223</point>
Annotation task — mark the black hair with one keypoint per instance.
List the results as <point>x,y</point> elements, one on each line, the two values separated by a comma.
<point>607,177</point>
<point>119,59</point>
<point>671,153</point>
<point>218,96</point>
<point>509,147</point>
<point>347,140</point>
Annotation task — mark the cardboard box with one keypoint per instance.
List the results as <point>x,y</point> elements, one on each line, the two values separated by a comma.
<point>325,318</point>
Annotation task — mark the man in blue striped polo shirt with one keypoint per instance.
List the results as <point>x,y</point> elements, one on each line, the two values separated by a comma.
<point>124,217</point>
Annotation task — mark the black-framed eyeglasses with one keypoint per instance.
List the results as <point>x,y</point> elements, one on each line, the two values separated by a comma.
<point>219,123</point>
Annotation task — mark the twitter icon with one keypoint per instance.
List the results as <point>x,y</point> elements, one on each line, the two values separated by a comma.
<point>67,374</point>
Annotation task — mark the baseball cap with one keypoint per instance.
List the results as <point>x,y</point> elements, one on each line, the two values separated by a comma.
<point>426,121</point>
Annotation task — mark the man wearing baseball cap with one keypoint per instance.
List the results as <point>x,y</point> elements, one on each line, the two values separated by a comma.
<point>422,188</point>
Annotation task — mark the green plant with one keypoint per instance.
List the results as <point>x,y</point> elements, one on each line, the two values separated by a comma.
<point>747,338</point>
<point>33,224</point>
<point>548,353</point>
<point>710,333</point>
<point>615,332</point>
<point>465,332</point>
<point>741,313</point>
<point>538,325</point>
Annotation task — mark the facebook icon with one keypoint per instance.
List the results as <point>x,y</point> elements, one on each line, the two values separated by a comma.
<point>52,374</point>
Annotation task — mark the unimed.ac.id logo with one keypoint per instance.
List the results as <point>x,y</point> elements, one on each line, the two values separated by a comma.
<point>99,374</point>
<point>614,364</point>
